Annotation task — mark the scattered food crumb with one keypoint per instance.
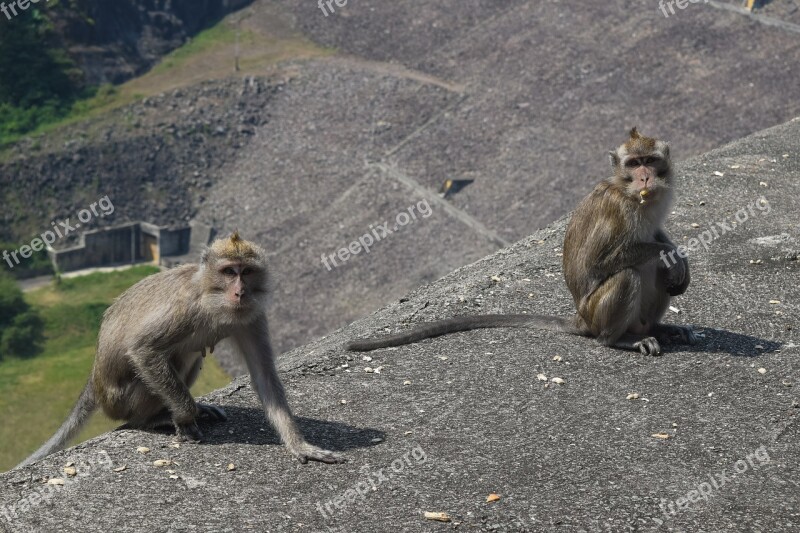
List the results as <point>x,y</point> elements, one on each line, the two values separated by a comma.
<point>367,358</point>
<point>162,462</point>
<point>439,517</point>
<point>55,481</point>
<point>406,382</point>
<point>557,358</point>
<point>762,370</point>
<point>632,396</point>
<point>121,468</point>
<point>557,380</point>
<point>368,369</point>
<point>541,377</point>
<point>70,471</point>
<point>231,467</point>
<point>143,450</point>
<point>492,498</point>
<point>674,309</point>
<point>718,173</point>
<point>664,436</point>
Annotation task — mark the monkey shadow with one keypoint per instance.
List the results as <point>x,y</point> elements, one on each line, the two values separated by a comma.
<point>247,425</point>
<point>723,341</point>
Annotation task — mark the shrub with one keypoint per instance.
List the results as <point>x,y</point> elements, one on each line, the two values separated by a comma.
<point>21,328</point>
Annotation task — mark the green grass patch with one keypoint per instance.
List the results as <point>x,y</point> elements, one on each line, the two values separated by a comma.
<point>221,34</point>
<point>37,394</point>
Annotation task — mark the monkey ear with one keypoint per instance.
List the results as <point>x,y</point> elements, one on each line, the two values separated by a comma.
<point>634,133</point>
<point>204,256</point>
<point>666,149</point>
<point>613,158</point>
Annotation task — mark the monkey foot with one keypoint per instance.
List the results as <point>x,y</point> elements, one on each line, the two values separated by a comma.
<point>648,346</point>
<point>670,333</point>
<point>308,452</point>
<point>212,412</point>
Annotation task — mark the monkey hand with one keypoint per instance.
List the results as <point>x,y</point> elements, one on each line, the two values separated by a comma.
<point>306,452</point>
<point>188,432</point>
<point>674,277</point>
<point>212,412</point>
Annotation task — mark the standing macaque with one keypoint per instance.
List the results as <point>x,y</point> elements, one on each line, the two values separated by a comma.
<point>153,338</point>
<point>613,262</point>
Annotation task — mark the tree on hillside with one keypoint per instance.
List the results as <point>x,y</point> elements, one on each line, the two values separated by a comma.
<point>21,328</point>
<point>38,82</point>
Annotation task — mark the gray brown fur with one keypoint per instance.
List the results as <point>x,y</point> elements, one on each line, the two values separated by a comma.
<point>152,340</point>
<point>611,262</point>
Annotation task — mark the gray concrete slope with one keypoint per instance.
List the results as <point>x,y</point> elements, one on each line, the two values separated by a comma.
<point>447,422</point>
<point>548,83</point>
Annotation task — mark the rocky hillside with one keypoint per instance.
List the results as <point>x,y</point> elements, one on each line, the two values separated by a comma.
<point>112,42</point>
<point>522,97</point>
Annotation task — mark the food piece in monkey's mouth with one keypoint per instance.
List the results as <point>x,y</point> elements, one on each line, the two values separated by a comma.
<point>643,193</point>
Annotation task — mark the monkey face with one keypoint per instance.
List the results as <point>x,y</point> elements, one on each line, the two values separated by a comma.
<point>241,285</point>
<point>642,168</point>
<point>644,175</point>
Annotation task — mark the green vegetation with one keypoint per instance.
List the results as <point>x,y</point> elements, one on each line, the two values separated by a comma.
<point>20,326</point>
<point>206,40</point>
<point>42,90</point>
<point>36,394</point>
<point>38,264</point>
<point>38,82</point>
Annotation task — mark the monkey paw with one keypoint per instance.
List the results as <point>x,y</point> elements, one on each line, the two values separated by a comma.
<point>188,432</point>
<point>648,346</point>
<point>675,275</point>
<point>212,412</point>
<point>685,335</point>
<point>308,452</point>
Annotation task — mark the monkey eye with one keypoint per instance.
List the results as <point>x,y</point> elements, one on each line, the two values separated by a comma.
<point>632,163</point>
<point>247,271</point>
<point>228,271</point>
